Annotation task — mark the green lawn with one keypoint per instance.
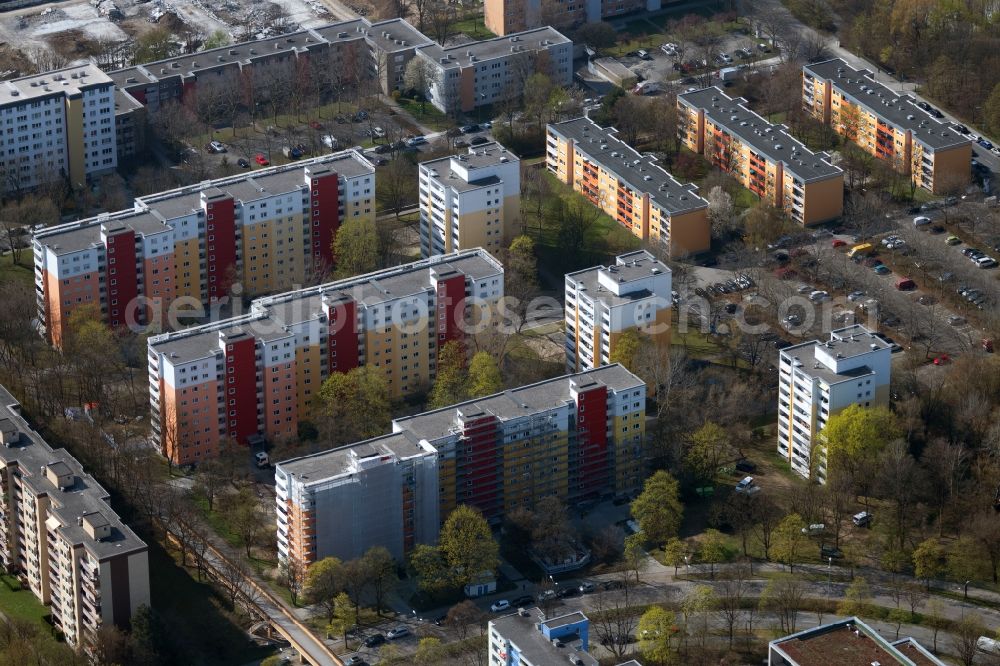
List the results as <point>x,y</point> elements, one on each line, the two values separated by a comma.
<point>20,604</point>
<point>22,271</point>
<point>427,116</point>
<point>474,27</point>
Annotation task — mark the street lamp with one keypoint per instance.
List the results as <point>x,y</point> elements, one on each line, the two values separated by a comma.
<point>967,589</point>
<point>829,583</point>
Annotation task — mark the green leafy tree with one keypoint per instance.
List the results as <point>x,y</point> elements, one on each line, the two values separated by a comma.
<point>710,447</point>
<point>430,651</point>
<point>626,350</point>
<point>929,560</point>
<point>674,553</point>
<point>157,44</point>
<point>789,540</point>
<point>658,509</point>
<point>429,565</point>
<point>484,375</point>
<point>354,405</point>
<point>324,581</point>
<point>598,35</point>
<point>991,111</point>
<point>965,559</point>
<point>356,248</point>
<point>345,616</point>
<point>656,632</point>
<point>857,599</point>
<point>216,40</point>
<point>696,606</point>
<point>520,280</point>
<point>713,549</point>
<point>468,546</point>
<point>856,436</point>
<point>450,385</point>
<point>380,569</point>
<point>897,616</point>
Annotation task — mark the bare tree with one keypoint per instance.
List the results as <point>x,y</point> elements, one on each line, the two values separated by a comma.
<point>731,594</point>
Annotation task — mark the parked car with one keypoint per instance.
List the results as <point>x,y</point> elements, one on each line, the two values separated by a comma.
<point>315,124</point>
<point>522,601</point>
<point>374,640</point>
<point>956,320</point>
<point>921,220</point>
<point>943,359</point>
<point>355,660</point>
<point>261,160</point>
<point>243,163</point>
<point>747,485</point>
<point>953,240</point>
<point>814,528</point>
<point>397,633</point>
<point>216,147</point>
<point>881,269</point>
<point>478,141</point>
<point>500,605</point>
<point>587,587</point>
<point>836,242</point>
<point>986,262</point>
<point>745,465</point>
<point>830,552</point>
<point>818,296</point>
<point>469,129</point>
<point>855,296</point>
<point>547,595</point>
<point>416,141</point>
<point>863,519</point>
<point>905,284</point>
<point>261,460</point>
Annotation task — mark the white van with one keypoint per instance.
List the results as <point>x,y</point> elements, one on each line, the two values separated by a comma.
<point>988,645</point>
<point>262,460</point>
<point>863,519</point>
<point>745,485</point>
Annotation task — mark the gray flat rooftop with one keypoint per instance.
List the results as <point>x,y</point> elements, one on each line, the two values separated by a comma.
<point>767,139</point>
<point>849,342</point>
<point>270,314</point>
<point>516,403</point>
<point>349,29</point>
<point>172,204</point>
<point>130,76</point>
<point>602,146</point>
<point>477,157</point>
<point>396,35</point>
<point>84,497</point>
<point>125,102</point>
<point>898,110</point>
<point>590,277</point>
<point>462,55</point>
<point>66,81</point>
<point>319,467</point>
<point>531,642</point>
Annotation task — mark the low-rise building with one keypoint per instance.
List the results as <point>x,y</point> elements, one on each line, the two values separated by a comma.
<point>503,17</point>
<point>631,188</point>
<point>266,230</point>
<point>604,302</point>
<point>848,642</point>
<point>572,437</point>
<point>258,374</point>
<point>472,199</point>
<point>59,535</point>
<point>59,125</point>
<point>529,638</point>
<point>762,156</point>
<point>468,76</point>
<point>887,125</point>
<point>818,379</point>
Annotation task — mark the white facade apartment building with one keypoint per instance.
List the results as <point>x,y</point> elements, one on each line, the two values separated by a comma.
<point>60,124</point>
<point>468,76</point>
<point>603,302</point>
<point>59,534</point>
<point>470,200</point>
<point>818,379</point>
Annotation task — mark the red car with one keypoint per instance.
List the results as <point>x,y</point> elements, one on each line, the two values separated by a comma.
<point>315,124</point>
<point>838,243</point>
<point>261,160</point>
<point>942,359</point>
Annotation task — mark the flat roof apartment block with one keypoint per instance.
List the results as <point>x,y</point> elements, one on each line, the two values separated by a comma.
<point>818,379</point>
<point>887,125</point>
<point>257,374</point>
<point>848,642</point>
<point>604,302</point>
<point>266,230</point>
<point>503,17</point>
<point>57,125</point>
<point>472,199</point>
<point>762,156</point>
<point>572,437</point>
<point>632,189</point>
<point>468,76</point>
<point>59,535</point>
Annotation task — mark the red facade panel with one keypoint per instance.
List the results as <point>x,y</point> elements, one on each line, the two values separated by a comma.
<point>241,387</point>
<point>450,308</point>
<point>342,343</point>
<point>220,245</point>
<point>478,467</point>
<point>324,216</point>
<point>591,474</point>
<point>122,279</point>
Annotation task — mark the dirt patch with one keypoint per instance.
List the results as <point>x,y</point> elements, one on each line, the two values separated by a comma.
<point>14,63</point>
<point>74,44</point>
